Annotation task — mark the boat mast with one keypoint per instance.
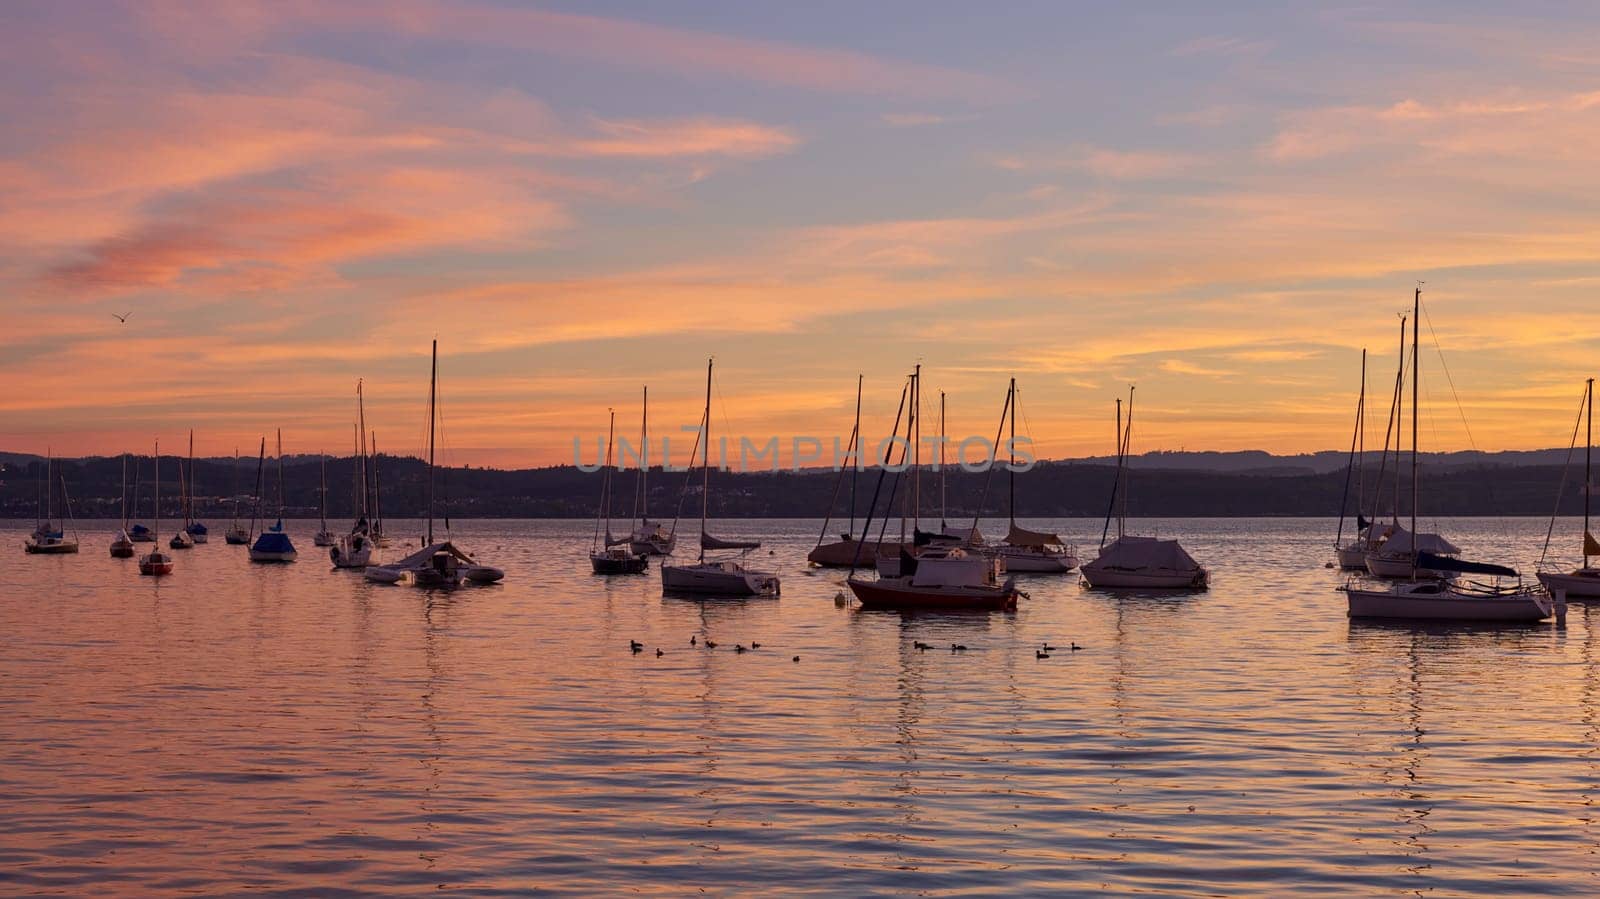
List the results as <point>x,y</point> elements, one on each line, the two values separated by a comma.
<point>280,476</point>
<point>1399,415</point>
<point>188,489</point>
<point>1116,480</point>
<point>943,523</point>
<point>705,476</point>
<point>1011,501</point>
<point>235,487</point>
<point>916,457</point>
<point>49,489</point>
<point>125,491</point>
<point>361,450</point>
<point>261,465</point>
<point>1588,463</point>
<point>641,498</point>
<point>375,527</point>
<point>1127,452</point>
<point>855,457</point>
<point>1354,466</point>
<point>156,533</point>
<point>433,383</point>
<point>605,489</point>
<point>1416,381</point>
<point>322,489</point>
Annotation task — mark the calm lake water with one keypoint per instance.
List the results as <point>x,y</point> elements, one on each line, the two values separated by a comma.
<point>296,730</point>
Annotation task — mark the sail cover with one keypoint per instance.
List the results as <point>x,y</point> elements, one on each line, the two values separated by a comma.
<point>1400,543</point>
<point>1145,553</point>
<point>709,541</point>
<point>273,542</point>
<point>1023,537</point>
<point>1446,563</point>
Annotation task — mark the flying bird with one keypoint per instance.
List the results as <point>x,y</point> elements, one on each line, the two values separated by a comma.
<point>121,318</point>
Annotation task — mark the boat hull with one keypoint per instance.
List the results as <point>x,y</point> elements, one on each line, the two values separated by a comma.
<point>605,563</point>
<point>122,550</point>
<point>155,565</point>
<point>322,538</point>
<point>180,540</point>
<point>1443,604</point>
<point>718,579</point>
<point>1030,561</point>
<point>1353,558</point>
<point>894,595</point>
<point>236,538</point>
<point>257,555</point>
<point>1581,585</point>
<point>346,556</point>
<point>1130,579</point>
<point>58,548</point>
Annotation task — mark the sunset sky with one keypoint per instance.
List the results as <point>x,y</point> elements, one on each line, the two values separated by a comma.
<point>1222,203</point>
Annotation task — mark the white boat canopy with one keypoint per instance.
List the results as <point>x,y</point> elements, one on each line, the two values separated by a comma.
<point>1400,543</point>
<point>1136,553</point>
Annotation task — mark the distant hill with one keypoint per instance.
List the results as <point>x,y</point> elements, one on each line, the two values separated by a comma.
<point>1167,484</point>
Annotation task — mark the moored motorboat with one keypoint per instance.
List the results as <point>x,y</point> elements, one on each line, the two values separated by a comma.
<point>939,580</point>
<point>1138,563</point>
<point>1145,563</point>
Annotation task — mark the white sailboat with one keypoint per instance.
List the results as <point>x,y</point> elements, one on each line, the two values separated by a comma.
<point>1138,563</point>
<point>323,536</point>
<point>1422,597</point>
<point>609,555</point>
<point>354,550</point>
<point>649,538</point>
<point>717,577</point>
<point>180,537</point>
<point>1354,555</point>
<point>940,576</point>
<point>48,537</point>
<point>197,531</point>
<point>1024,550</point>
<point>441,564</point>
<point>273,544</point>
<point>122,544</point>
<point>1583,582</point>
<point>236,535</point>
<point>156,563</point>
<point>845,552</point>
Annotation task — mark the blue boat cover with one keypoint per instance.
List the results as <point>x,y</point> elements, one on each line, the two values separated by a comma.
<point>138,529</point>
<point>1448,563</point>
<point>197,528</point>
<point>274,540</point>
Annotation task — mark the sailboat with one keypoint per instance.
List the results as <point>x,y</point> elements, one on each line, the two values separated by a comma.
<point>1022,549</point>
<point>273,544</point>
<point>941,576</point>
<point>1354,555</point>
<point>649,538</point>
<point>156,563</point>
<point>1138,563</point>
<point>236,535</point>
<point>323,536</point>
<point>354,550</point>
<point>196,530</point>
<point>180,538</point>
<point>440,564</point>
<point>1424,597</point>
<point>121,544</point>
<point>1582,583</point>
<point>612,557</point>
<point>720,577</point>
<point>49,538</point>
<point>845,552</point>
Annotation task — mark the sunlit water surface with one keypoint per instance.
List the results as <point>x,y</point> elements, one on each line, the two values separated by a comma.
<point>293,729</point>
